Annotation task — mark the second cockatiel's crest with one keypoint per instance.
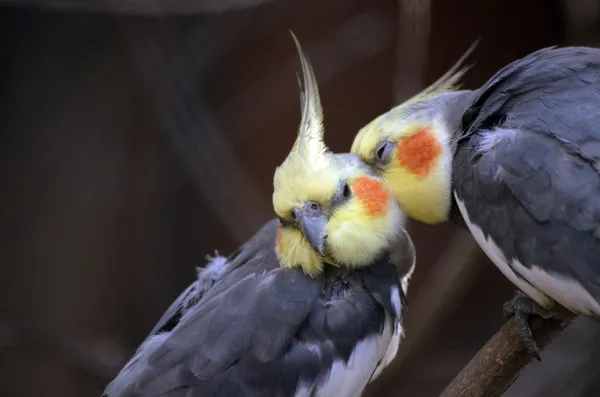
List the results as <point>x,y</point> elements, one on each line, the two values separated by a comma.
<point>450,81</point>
<point>302,172</point>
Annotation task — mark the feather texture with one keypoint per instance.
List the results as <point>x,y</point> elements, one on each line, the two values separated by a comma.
<point>272,331</point>
<point>527,171</point>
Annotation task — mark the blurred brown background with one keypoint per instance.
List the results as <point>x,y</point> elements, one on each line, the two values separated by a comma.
<point>136,139</point>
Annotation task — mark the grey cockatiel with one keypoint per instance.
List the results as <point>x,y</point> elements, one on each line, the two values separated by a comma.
<point>311,305</point>
<point>518,161</point>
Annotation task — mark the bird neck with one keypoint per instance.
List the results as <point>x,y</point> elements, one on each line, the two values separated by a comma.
<point>453,106</point>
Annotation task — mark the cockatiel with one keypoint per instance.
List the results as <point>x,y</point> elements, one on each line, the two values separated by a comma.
<point>311,305</point>
<point>519,160</point>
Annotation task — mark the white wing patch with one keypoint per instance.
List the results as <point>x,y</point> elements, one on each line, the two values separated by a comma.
<point>391,352</point>
<point>392,349</point>
<point>396,302</point>
<point>366,362</point>
<point>569,293</point>
<point>491,249</point>
<point>565,291</point>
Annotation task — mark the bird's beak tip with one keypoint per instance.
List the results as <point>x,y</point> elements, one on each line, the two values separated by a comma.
<point>322,249</point>
<point>314,231</point>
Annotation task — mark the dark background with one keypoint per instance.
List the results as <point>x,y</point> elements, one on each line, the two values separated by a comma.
<point>137,139</point>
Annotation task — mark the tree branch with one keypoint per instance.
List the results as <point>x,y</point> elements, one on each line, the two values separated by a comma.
<point>500,362</point>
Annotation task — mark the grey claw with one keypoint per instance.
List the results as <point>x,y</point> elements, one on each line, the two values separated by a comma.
<point>522,307</point>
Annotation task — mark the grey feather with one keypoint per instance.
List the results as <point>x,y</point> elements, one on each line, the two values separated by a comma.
<point>262,329</point>
<point>527,162</point>
<point>207,276</point>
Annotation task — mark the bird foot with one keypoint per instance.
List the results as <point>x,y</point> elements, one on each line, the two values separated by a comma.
<point>522,307</point>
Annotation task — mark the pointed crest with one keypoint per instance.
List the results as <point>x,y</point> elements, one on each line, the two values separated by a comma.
<point>308,172</point>
<point>309,146</point>
<point>449,81</point>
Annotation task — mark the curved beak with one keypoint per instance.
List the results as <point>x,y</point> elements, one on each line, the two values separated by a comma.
<point>313,227</point>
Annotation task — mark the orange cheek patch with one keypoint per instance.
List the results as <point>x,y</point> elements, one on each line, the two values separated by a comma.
<point>372,194</point>
<point>279,242</point>
<point>419,152</point>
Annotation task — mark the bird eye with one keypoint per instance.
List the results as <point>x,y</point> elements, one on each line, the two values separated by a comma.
<point>312,208</point>
<point>379,152</point>
<point>384,151</point>
<point>346,191</point>
<point>294,215</point>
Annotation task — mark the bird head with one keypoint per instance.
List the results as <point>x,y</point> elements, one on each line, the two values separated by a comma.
<point>332,208</point>
<point>413,144</point>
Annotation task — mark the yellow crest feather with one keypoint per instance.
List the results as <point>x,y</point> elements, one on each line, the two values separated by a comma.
<point>449,81</point>
<point>304,175</point>
<point>309,145</point>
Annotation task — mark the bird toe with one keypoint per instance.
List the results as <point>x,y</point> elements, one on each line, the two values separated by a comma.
<point>522,307</point>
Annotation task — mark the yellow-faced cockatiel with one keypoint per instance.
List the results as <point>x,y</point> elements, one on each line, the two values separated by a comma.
<point>311,305</point>
<point>519,160</point>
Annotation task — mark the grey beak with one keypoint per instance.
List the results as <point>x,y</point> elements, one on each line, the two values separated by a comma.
<point>313,227</point>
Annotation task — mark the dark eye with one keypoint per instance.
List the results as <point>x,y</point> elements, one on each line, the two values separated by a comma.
<point>312,208</point>
<point>384,151</point>
<point>346,191</point>
<point>294,215</point>
<point>380,151</point>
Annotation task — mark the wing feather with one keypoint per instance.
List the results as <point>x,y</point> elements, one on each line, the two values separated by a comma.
<point>529,160</point>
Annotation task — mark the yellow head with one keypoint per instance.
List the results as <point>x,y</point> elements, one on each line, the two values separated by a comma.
<point>332,208</point>
<point>412,147</point>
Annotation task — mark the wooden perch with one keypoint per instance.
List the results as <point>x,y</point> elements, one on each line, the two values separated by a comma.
<point>139,7</point>
<point>499,363</point>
